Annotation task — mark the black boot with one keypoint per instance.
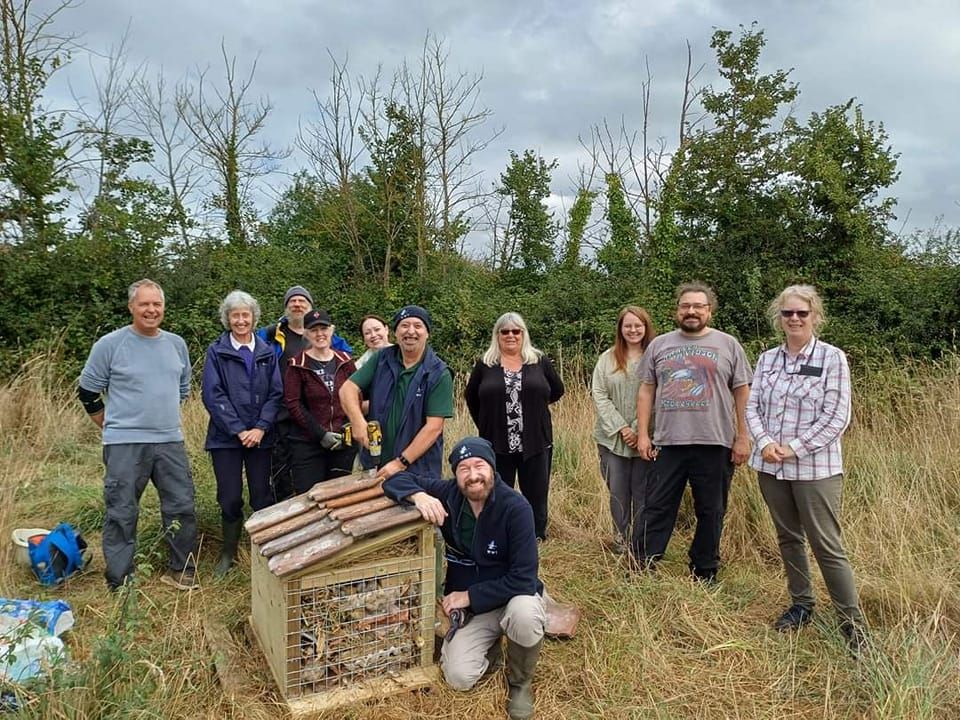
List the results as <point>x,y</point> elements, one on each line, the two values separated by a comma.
<point>231,538</point>
<point>521,662</point>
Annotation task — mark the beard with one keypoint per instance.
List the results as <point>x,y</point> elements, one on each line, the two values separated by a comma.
<point>693,323</point>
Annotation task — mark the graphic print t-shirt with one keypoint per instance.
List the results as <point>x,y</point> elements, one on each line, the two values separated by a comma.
<point>325,370</point>
<point>694,377</point>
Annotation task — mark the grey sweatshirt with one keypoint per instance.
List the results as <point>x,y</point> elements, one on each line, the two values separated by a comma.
<point>145,380</point>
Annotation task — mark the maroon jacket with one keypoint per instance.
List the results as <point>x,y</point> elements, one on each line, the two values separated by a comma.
<point>311,405</point>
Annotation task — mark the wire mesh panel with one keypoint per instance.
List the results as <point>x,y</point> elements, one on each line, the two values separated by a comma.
<point>352,628</point>
<point>339,635</point>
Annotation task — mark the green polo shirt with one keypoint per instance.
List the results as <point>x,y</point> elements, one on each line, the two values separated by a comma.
<point>439,402</point>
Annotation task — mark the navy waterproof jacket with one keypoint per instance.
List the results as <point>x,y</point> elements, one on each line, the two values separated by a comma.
<point>430,372</point>
<point>503,561</point>
<point>237,400</point>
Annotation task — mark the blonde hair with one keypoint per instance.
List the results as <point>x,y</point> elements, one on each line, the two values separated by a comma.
<point>528,353</point>
<point>806,293</point>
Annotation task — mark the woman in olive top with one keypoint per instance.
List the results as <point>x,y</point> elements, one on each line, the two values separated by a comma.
<point>615,386</point>
<point>508,395</point>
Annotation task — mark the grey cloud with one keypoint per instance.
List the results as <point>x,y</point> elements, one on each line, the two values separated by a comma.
<point>552,69</point>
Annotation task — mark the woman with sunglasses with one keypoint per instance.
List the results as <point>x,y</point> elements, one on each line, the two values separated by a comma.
<point>616,382</point>
<point>799,408</point>
<point>508,395</point>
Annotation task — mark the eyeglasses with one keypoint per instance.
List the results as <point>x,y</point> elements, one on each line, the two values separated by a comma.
<point>698,307</point>
<point>510,331</point>
<point>802,314</point>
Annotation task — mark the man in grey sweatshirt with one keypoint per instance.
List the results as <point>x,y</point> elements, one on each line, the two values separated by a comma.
<point>145,373</point>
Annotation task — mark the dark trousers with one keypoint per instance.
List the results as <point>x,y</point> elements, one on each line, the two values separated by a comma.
<point>228,465</point>
<point>534,476</point>
<point>311,464</point>
<point>129,467</point>
<point>280,477</point>
<point>709,470</point>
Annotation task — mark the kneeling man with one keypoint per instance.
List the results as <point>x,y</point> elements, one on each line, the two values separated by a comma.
<point>491,569</point>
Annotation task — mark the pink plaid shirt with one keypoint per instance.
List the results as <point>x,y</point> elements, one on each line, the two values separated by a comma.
<point>790,405</point>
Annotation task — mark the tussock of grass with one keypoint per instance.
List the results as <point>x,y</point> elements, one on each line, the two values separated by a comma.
<point>655,646</point>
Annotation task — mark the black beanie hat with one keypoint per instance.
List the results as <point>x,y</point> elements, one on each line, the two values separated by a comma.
<point>409,311</point>
<point>472,447</point>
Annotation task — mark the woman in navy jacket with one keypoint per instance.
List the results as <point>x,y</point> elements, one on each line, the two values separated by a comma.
<point>242,392</point>
<point>508,395</point>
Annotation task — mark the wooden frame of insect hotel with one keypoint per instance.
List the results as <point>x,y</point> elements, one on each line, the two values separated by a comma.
<point>343,594</point>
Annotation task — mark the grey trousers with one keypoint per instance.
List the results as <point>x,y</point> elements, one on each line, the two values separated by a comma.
<point>129,467</point>
<point>810,508</point>
<point>626,479</point>
<point>464,657</point>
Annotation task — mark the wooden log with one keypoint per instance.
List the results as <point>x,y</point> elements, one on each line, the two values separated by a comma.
<point>278,513</point>
<point>225,659</point>
<point>354,498</point>
<point>308,553</point>
<point>372,621</point>
<point>363,508</point>
<point>288,526</point>
<point>391,517</point>
<point>342,486</point>
<point>292,539</point>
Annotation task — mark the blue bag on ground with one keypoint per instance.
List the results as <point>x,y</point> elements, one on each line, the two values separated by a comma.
<point>58,555</point>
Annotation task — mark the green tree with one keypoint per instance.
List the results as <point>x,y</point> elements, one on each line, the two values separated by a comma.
<point>531,230</point>
<point>32,150</point>
<point>619,256</point>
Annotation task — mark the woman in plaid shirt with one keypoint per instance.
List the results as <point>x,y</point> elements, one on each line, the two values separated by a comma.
<point>798,409</point>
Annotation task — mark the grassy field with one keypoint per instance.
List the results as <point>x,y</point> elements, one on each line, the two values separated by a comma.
<point>648,647</point>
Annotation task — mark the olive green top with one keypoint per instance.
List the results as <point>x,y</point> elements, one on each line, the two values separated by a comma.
<point>615,398</point>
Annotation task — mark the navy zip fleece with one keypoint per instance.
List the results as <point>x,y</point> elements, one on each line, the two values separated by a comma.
<point>503,561</point>
<point>235,400</point>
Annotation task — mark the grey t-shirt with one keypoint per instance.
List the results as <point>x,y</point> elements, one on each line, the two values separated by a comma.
<point>145,379</point>
<point>694,378</point>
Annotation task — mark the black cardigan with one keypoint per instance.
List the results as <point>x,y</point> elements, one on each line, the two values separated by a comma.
<point>486,396</point>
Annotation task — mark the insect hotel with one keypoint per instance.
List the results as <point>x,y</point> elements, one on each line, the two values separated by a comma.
<point>343,593</point>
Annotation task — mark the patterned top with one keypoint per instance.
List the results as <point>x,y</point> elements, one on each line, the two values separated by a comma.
<point>804,402</point>
<point>513,380</point>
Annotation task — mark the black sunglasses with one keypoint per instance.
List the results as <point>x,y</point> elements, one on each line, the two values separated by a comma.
<point>802,314</point>
<point>510,331</point>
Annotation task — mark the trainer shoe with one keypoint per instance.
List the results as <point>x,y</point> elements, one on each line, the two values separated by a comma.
<point>795,617</point>
<point>181,579</point>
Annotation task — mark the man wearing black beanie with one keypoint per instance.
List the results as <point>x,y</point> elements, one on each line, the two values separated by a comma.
<point>410,390</point>
<point>492,564</point>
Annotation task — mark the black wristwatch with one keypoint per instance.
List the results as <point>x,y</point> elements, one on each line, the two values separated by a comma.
<point>403,460</point>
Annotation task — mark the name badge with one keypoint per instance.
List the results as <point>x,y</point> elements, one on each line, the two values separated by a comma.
<point>810,371</point>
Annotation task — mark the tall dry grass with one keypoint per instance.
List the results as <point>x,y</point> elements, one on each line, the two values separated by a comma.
<point>648,647</point>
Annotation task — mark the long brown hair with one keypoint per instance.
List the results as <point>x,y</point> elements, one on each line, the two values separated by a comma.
<point>620,345</point>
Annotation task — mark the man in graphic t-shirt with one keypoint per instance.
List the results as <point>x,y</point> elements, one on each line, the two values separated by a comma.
<point>697,379</point>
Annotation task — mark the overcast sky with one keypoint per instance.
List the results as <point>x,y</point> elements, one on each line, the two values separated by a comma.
<point>552,69</point>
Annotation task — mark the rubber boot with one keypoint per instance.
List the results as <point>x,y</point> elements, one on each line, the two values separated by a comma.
<point>521,663</point>
<point>231,538</point>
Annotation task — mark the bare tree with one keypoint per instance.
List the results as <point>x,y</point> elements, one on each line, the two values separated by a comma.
<point>226,125</point>
<point>155,116</point>
<point>455,114</point>
<point>333,146</point>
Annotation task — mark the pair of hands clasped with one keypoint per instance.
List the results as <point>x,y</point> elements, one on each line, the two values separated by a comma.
<point>777,453</point>
<point>250,438</point>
